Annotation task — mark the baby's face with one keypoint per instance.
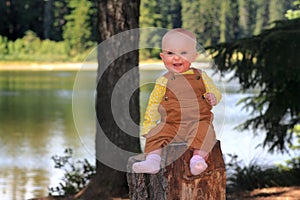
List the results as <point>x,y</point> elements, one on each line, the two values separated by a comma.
<point>178,51</point>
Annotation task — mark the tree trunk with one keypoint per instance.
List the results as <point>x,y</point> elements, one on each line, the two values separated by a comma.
<point>47,18</point>
<point>116,57</point>
<point>175,182</point>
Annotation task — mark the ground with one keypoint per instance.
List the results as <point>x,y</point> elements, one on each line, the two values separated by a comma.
<point>273,193</point>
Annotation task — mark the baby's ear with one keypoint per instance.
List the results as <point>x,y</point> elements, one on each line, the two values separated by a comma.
<point>161,55</point>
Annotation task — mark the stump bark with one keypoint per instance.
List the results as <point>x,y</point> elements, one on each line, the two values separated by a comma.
<point>175,182</point>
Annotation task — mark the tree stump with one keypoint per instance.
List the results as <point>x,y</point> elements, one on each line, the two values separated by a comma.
<point>175,182</point>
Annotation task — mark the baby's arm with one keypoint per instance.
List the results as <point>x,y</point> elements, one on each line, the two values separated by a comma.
<point>212,95</point>
<point>152,115</point>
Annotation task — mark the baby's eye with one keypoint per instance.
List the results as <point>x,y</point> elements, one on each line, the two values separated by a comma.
<point>170,53</point>
<point>184,53</point>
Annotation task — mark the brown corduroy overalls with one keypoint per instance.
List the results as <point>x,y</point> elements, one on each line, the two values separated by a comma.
<point>185,115</point>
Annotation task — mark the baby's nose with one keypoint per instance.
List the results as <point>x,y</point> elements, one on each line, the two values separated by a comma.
<point>176,56</point>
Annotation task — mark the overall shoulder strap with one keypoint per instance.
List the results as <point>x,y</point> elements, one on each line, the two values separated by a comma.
<point>169,75</point>
<point>197,71</point>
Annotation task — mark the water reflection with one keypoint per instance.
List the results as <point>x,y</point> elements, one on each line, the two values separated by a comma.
<point>20,180</point>
<point>36,123</point>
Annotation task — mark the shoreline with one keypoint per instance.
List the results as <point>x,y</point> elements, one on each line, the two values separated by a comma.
<point>76,66</point>
<point>47,66</point>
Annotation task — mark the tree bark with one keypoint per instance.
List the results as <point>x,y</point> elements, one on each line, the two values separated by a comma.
<point>175,182</point>
<point>115,17</point>
<point>47,18</point>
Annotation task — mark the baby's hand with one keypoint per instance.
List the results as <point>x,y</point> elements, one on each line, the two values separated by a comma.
<point>211,99</point>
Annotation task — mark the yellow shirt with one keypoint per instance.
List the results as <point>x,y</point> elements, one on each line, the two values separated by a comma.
<point>152,116</point>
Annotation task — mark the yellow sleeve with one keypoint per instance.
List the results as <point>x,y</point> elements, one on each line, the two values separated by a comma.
<point>211,87</point>
<point>152,115</point>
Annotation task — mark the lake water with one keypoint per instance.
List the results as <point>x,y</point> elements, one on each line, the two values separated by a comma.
<point>36,122</point>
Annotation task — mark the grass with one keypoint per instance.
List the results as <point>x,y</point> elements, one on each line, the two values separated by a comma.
<point>254,176</point>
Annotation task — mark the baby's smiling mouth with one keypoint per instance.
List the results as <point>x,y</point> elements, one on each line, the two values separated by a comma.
<point>177,64</point>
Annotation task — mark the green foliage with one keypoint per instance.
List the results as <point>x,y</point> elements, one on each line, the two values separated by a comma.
<point>59,10</point>
<point>77,31</point>
<point>276,10</point>
<point>161,14</point>
<point>19,16</point>
<point>268,62</point>
<point>191,17</point>
<point>77,174</point>
<point>294,163</point>
<point>229,20</point>
<point>212,21</point>
<point>155,14</point>
<point>255,175</point>
<point>241,177</point>
<point>75,21</point>
<point>3,45</point>
<point>246,178</point>
<point>261,18</point>
<point>32,48</point>
<point>294,14</point>
<point>202,18</point>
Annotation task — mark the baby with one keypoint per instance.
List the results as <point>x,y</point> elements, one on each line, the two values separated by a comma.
<point>179,107</point>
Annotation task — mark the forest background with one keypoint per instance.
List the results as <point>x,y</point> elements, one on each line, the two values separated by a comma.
<point>66,30</point>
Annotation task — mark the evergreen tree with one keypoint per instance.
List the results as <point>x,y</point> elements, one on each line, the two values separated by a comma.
<point>191,18</point>
<point>247,12</point>
<point>4,18</point>
<point>223,20</point>
<point>154,14</point>
<point>150,17</point>
<point>294,14</point>
<point>234,19</point>
<point>60,9</point>
<point>229,20</point>
<point>269,63</point>
<point>175,13</point>
<point>18,16</point>
<point>77,30</point>
<point>48,18</point>
<point>161,14</point>
<point>276,10</point>
<point>210,21</point>
<point>261,16</point>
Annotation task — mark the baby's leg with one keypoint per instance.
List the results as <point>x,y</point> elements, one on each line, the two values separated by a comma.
<point>151,165</point>
<point>197,162</point>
